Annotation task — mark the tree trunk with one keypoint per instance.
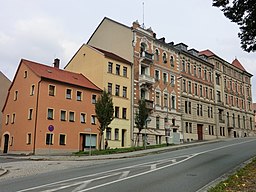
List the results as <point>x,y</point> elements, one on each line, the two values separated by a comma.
<point>138,139</point>
<point>100,140</point>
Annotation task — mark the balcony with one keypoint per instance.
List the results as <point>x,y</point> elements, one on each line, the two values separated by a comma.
<point>146,79</point>
<point>147,57</point>
<point>149,104</point>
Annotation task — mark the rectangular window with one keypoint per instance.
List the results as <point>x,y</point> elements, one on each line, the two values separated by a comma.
<point>30,113</point>
<point>94,99</point>
<point>157,98</point>
<point>29,138</point>
<point>198,109</point>
<point>68,93</point>
<point>173,102</point>
<point>71,116</point>
<point>157,122</point>
<point>108,133</point>
<point>124,113</point>
<point>217,79</point>
<point>117,69</point>
<point>186,127</point>
<point>165,78</point>
<point>32,91</point>
<point>63,115</point>
<point>117,112</point>
<point>190,127</point>
<point>7,119</point>
<point>51,90</point>
<point>186,107</point>
<point>218,96</point>
<point>201,110</point>
<point>201,90</point>
<point>93,120</point>
<point>157,77</point>
<point>116,134</point>
<point>50,114</point>
<point>189,87</point>
<point>79,96</point>
<point>172,80</point>
<point>196,89</point>
<point>211,94</point>
<point>110,67</point>
<point>15,95</point>
<point>62,139</point>
<point>110,88</point>
<point>165,100</point>
<point>82,118</point>
<point>49,139</point>
<point>125,71</point>
<point>117,90</point>
<point>25,74</point>
<point>184,85</point>
<point>125,92</point>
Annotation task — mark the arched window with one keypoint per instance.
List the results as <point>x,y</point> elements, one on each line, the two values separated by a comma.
<point>157,55</point>
<point>172,61</point>
<point>164,58</point>
<point>143,47</point>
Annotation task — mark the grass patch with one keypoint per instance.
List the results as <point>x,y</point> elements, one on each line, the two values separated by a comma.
<point>243,180</point>
<point>117,150</point>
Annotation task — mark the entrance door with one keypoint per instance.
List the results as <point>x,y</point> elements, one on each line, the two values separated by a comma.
<point>123,137</point>
<point>200,132</point>
<point>6,143</point>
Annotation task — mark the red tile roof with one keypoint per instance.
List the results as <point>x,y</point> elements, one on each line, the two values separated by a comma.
<point>207,53</point>
<point>60,75</point>
<point>237,64</point>
<point>113,56</point>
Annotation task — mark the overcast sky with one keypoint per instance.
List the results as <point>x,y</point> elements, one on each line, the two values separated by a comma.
<point>41,30</point>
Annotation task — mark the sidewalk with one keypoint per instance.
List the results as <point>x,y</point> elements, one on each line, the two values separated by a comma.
<point>36,164</point>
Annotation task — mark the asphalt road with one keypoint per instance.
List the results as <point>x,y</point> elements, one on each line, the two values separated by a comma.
<point>185,170</point>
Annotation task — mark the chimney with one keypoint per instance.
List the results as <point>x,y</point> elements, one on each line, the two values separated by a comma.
<point>56,63</point>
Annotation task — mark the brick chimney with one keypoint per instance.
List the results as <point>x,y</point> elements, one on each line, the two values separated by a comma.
<point>56,63</point>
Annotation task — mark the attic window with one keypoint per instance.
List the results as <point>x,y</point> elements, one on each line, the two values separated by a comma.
<point>25,74</point>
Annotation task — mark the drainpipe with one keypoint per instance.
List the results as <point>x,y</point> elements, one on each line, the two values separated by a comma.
<point>37,103</point>
<point>132,94</point>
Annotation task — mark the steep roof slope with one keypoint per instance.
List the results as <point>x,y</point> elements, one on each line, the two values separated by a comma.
<point>60,75</point>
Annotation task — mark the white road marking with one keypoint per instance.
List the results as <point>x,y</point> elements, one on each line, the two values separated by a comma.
<point>125,174</point>
<point>133,166</point>
<point>153,166</point>
<point>84,185</point>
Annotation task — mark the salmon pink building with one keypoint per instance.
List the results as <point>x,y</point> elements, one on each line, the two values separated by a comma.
<point>49,110</point>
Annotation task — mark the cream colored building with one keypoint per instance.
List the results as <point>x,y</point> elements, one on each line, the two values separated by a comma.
<point>112,73</point>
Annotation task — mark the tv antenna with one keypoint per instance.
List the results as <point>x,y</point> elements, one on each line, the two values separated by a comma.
<point>143,24</point>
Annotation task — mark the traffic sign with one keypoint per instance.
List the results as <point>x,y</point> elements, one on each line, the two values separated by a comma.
<point>51,128</point>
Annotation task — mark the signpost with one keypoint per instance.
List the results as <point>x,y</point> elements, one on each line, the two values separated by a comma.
<point>90,130</point>
<point>51,129</point>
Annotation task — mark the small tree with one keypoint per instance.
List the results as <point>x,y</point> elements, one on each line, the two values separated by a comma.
<point>104,111</point>
<point>141,117</point>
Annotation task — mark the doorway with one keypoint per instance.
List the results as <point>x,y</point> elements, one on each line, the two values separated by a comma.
<point>6,143</point>
<point>200,132</point>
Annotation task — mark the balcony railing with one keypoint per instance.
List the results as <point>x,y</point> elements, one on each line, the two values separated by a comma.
<point>147,79</point>
<point>147,57</point>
